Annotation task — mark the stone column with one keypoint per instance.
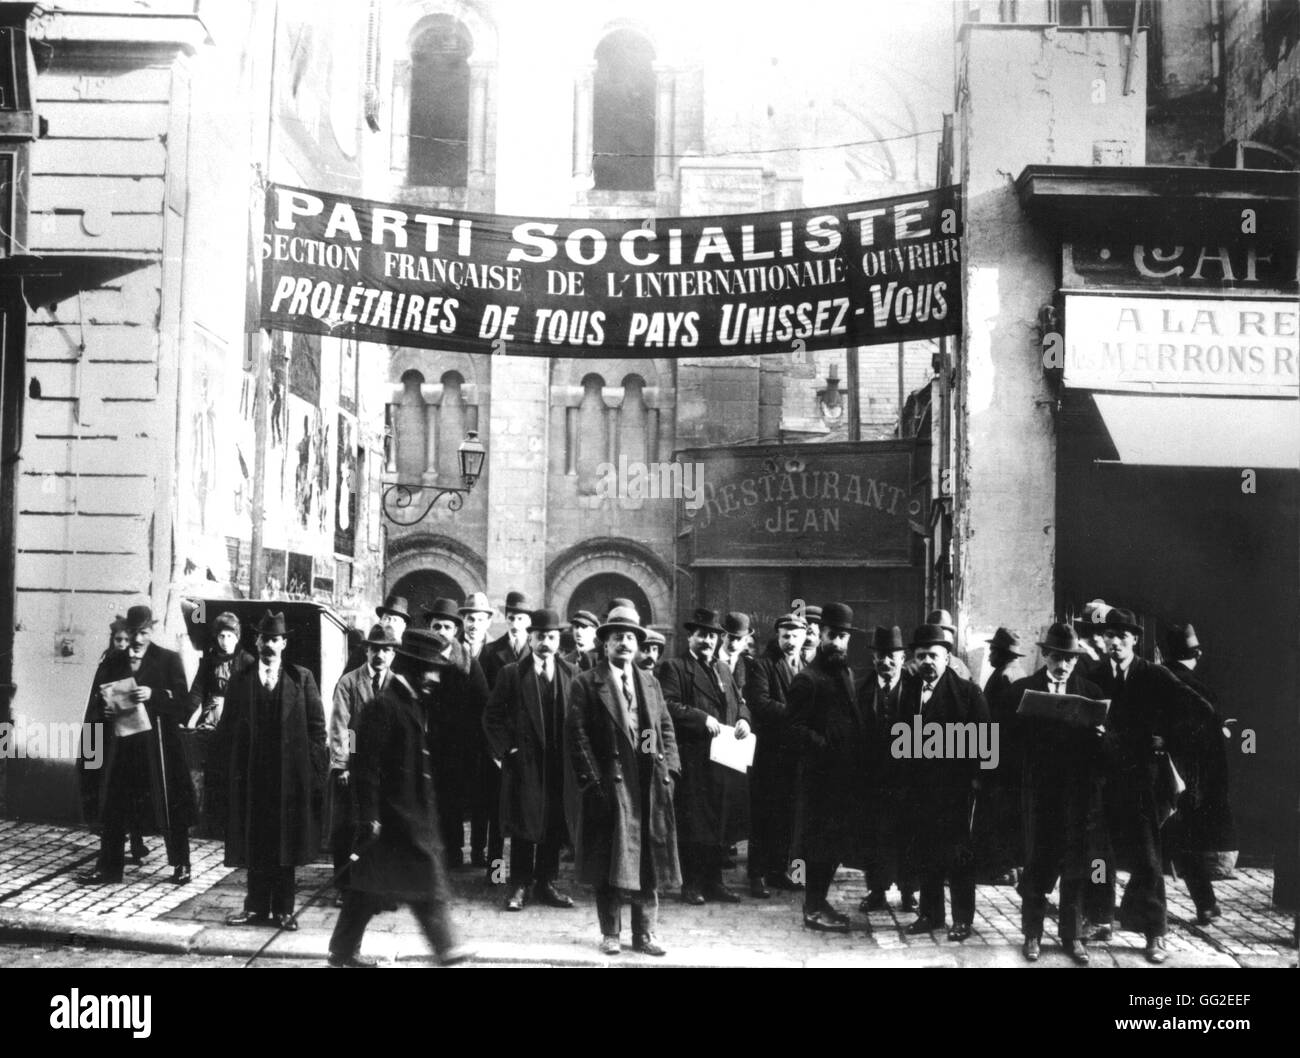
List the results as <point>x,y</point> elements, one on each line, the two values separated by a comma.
<point>583,94</point>
<point>665,99</point>
<point>400,111</point>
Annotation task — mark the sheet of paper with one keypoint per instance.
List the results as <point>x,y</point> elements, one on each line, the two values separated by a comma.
<point>732,752</point>
<point>1071,709</point>
<point>133,717</point>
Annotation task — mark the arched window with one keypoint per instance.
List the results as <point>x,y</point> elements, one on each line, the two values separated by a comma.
<point>633,422</point>
<point>591,438</point>
<point>623,114</point>
<point>451,427</point>
<point>438,153</point>
<point>410,429</point>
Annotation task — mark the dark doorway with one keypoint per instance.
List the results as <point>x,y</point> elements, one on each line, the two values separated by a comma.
<point>420,587</point>
<point>595,593</point>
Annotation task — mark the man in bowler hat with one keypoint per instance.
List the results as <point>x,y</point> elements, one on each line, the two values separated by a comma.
<point>623,755</point>
<point>271,744</point>
<point>524,725</point>
<point>713,800</point>
<point>999,826</point>
<point>398,849</point>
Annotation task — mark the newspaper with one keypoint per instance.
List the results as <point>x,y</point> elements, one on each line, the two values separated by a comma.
<point>1072,709</point>
<point>732,752</point>
<point>132,717</point>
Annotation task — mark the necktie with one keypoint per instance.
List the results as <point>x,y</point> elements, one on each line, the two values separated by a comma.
<point>1119,676</point>
<point>926,690</point>
<point>630,701</point>
<point>375,682</point>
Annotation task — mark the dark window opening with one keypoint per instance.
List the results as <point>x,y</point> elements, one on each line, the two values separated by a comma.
<point>623,118</point>
<point>439,131</point>
<point>1281,29</point>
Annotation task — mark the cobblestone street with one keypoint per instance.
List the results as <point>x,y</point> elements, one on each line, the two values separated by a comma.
<point>41,902</point>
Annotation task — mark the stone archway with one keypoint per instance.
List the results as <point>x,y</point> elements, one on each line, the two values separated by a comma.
<point>596,564</point>
<point>427,562</point>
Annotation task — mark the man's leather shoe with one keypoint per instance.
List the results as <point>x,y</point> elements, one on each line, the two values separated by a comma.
<point>181,875</point>
<point>610,946</point>
<point>720,894</point>
<point>909,902</point>
<point>1101,934</point>
<point>960,931</point>
<point>922,925</point>
<point>517,898</point>
<point>835,916</point>
<point>1031,949</point>
<point>456,954</point>
<point>758,890</point>
<point>783,882</point>
<point>1155,950</point>
<point>691,895</point>
<point>1205,917</point>
<point>98,877</point>
<point>287,923</point>
<point>1076,951</point>
<point>647,946</point>
<point>247,918</point>
<point>552,897</point>
<point>139,850</point>
<point>824,922</point>
<point>875,901</point>
<point>357,961</point>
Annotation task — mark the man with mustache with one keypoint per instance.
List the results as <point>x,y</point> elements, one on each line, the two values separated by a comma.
<point>776,758</point>
<point>939,791</point>
<point>831,733</point>
<point>1064,815</point>
<point>622,751</point>
<point>1152,713</point>
<point>713,801</point>
<point>651,651</point>
<point>524,725</point>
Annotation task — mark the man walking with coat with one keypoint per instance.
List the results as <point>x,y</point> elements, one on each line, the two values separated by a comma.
<point>623,754</point>
<point>524,725</point>
<point>399,851</point>
<point>831,807</point>
<point>713,801</point>
<point>271,742</point>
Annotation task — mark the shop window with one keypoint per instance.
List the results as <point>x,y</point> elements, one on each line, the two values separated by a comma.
<point>1074,12</point>
<point>438,152</point>
<point>623,114</point>
<point>1281,29</point>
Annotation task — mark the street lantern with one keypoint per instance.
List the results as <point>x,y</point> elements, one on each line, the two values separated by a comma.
<point>400,499</point>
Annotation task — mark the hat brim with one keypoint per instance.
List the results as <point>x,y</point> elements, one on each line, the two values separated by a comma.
<point>621,626</point>
<point>465,611</point>
<point>1119,626</point>
<point>381,643</point>
<point>547,628</point>
<point>435,663</point>
<point>430,615</point>
<point>692,626</point>
<point>843,628</point>
<point>932,643</point>
<point>1051,648</point>
<point>380,611</point>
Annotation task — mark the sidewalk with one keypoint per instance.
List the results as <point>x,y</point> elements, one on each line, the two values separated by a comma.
<point>40,901</point>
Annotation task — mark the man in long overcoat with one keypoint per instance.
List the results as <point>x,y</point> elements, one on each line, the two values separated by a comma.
<point>831,733</point>
<point>776,759</point>
<point>940,791</point>
<point>1203,824</point>
<point>623,755</point>
<point>399,854</point>
<point>1152,713</point>
<point>999,833</point>
<point>1063,769</point>
<point>524,725</point>
<point>145,779</point>
<point>271,743</point>
<point>713,800</point>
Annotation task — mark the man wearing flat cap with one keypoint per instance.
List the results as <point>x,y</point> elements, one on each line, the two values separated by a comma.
<point>1064,815</point>
<point>828,727</point>
<point>399,851</point>
<point>272,745</point>
<point>1152,715</point>
<point>940,792</point>
<point>713,800</point>
<point>623,758</point>
<point>651,652</point>
<point>879,693</point>
<point>583,624</point>
<point>1203,824</point>
<point>524,725</point>
<point>145,779</point>
<point>776,757</point>
<point>352,694</point>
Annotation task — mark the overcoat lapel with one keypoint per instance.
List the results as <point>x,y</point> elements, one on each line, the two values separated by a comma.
<point>610,697</point>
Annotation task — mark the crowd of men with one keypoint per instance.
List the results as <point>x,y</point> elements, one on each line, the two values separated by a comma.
<point>606,753</point>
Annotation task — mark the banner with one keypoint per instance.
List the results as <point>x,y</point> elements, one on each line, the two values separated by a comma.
<point>782,282</point>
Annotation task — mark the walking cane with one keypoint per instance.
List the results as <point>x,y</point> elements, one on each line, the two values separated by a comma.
<point>352,859</point>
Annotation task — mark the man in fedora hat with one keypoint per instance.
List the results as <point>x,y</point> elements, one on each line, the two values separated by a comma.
<point>477,614</point>
<point>399,852</point>
<point>713,800</point>
<point>1203,824</point>
<point>459,701</point>
<point>776,758</point>
<point>945,620</point>
<point>145,777</point>
<point>999,831</point>
<point>651,652</point>
<point>524,725</point>
<point>352,694</point>
<point>271,752</point>
<point>1092,638</point>
<point>940,792</point>
<point>879,693</point>
<point>583,624</point>
<point>1152,714</point>
<point>623,757</point>
<point>1064,815</point>
<point>828,727</point>
<point>394,614</point>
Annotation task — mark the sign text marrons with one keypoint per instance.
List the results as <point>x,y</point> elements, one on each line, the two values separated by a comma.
<point>836,276</point>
